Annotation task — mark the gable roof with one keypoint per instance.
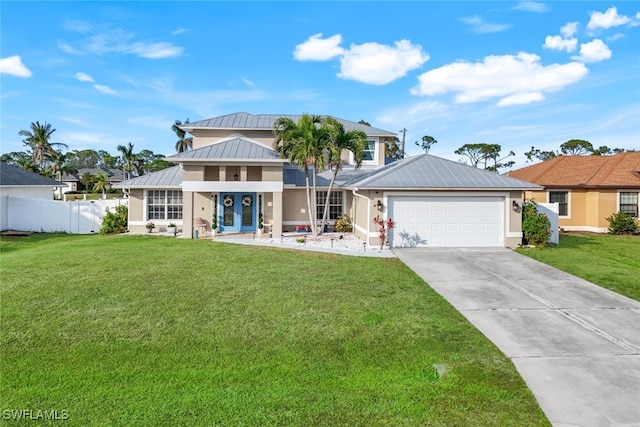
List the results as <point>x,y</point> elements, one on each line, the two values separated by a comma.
<point>621,170</point>
<point>14,176</point>
<point>429,172</point>
<point>235,147</point>
<point>165,178</point>
<point>113,175</point>
<point>246,121</point>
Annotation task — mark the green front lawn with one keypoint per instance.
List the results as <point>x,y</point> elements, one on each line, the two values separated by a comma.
<point>149,330</point>
<point>612,262</point>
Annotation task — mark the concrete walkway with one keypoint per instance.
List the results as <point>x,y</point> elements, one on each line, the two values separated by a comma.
<point>576,345</point>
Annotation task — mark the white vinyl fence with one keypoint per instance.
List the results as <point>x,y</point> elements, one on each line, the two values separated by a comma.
<point>49,216</point>
<point>551,210</point>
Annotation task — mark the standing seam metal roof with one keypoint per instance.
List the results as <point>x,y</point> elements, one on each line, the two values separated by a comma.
<point>425,171</point>
<point>170,177</point>
<point>265,122</point>
<point>236,147</point>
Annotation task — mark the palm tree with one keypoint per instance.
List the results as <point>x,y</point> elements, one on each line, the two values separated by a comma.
<point>100,183</point>
<point>38,140</point>
<point>183,144</point>
<point>339,141</point>
<point>128,159</point>
<point>60,166</point>
<point>302,143</point>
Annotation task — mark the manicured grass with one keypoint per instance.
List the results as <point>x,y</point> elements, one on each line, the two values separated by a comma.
<point>149,330</point>
<point>612,262</point>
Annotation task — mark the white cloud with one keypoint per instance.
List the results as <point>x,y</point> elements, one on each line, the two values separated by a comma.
<point>480,26</point>
<point>318,49</point>
<point>519,79</point>
<point>370,63</point>
<point>521,98</point>
<point>178,31</point>
<point>569,29</point>
<point>104,89</point>
<point>115,40</point>
<point>83,77</point>
<point>380,64</point>
<point>13,66</point>
<point>606,20</point>
<point>559,43</point>
<point>65,47</point>
<point>154,50</point>
<point>247,82</point>
<point>594,51</point>
<point>531,6</point>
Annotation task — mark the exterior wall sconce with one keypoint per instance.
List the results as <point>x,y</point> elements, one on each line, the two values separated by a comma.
<point>515,205</point>
<point>378,205</point>
<point>235,177</point>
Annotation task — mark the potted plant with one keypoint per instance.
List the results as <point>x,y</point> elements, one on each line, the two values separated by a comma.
<point>171,229</point>
<point>150,226</point>
<point>260,224</point>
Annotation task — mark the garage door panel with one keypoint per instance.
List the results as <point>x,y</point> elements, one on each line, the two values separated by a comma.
<point>457,221</point>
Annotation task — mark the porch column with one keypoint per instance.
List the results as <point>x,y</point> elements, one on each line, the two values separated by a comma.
<point>187,215</point>
<point>277,214</point>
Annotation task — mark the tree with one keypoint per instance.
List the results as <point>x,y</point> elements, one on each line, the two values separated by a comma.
<point>84,159</point>
<point>128,159</point>
<point>339,141</point>
<point>540,155</point>
<point>61,166</point>
<point>38,139</point>
<point>87,180</point>
<point>302,143</point>
<point>576,147</point>
<point>20,159</point>
<point>484,154</point>
<point>183,144</point>
<point>107,161</point>
<point>427,143</point>
<point>392,148</point>
<point>100,183</point>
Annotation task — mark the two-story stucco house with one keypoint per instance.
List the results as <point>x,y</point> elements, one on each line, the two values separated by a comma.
<point>233,177</point>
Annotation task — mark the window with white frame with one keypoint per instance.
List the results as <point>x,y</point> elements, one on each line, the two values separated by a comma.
<point>164,204</point>
<point>562,199</point>
<point>369,151</point>
<point>629,202</point>
<point>335,204</point>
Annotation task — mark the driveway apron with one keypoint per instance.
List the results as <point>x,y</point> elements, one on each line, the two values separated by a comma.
<point>576,345</point>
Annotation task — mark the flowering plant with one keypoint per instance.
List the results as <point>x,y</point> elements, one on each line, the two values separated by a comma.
<point>383,228</point>
<point>150,225</point>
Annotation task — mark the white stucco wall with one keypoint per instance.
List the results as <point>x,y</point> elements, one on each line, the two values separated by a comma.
<point>28,192</point>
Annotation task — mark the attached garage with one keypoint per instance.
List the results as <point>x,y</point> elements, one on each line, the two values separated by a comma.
<point>436,202</point>
<point>447,221</point>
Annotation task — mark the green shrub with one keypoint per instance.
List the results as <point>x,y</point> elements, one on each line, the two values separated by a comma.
<point>343,224</point>
<point>536,227</point>
<point>115,222</point>
<point>622,223</point>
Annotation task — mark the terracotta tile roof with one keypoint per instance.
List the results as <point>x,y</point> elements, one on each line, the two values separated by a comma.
<point>621,170</point>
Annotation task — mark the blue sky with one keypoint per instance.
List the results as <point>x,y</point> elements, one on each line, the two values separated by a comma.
<point>511,73</point>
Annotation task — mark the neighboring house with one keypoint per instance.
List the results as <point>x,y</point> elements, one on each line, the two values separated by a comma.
<point>588,189</point>
<point>16,182</point>
<point>21,183</point>
<point>74,180</point>
<point>233,175</point>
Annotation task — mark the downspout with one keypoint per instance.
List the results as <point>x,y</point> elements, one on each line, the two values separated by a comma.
<point>354,192</point>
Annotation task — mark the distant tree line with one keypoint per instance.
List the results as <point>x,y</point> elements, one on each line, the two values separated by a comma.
<point>51,158</point>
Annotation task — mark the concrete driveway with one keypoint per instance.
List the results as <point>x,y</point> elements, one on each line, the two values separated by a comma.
<point>576,345</point>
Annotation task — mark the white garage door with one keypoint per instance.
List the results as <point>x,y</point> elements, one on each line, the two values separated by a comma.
<point>446,221</point>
